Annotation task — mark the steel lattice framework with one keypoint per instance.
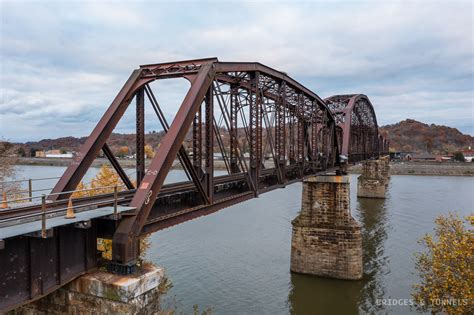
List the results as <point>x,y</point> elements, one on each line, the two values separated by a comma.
<point>268,129</point>
<point>357,127</point>
<point>281,120</point>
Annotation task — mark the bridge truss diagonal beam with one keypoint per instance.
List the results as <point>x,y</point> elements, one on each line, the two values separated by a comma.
<point>268,129</point>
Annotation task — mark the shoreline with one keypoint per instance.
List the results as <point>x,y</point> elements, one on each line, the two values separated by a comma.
<point>396,168</point>
<point>425,168</point>
<point>98,162</point>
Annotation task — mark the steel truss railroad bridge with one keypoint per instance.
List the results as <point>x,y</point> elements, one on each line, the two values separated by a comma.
<point>286,131</point>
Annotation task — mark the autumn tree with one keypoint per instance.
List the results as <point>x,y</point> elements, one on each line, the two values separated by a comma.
<point>445,269</point>
<point>7,160</point>
<point>81,191</point>
<point>103,183</point>
<point>106,177</point>
<point>123,151</point>
<point>149,153</point>
<point>7,169</point>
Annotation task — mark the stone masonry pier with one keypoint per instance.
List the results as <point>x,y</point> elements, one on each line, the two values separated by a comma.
<point>373,181</point>
<point>326,239</point>
<point>100,292</point>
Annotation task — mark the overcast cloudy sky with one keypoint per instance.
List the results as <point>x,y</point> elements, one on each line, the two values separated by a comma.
<point>62,63</point>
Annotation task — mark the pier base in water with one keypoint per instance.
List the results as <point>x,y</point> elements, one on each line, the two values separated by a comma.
<point>101,292</point>
<point>373,182</point>
<point>326,239</point>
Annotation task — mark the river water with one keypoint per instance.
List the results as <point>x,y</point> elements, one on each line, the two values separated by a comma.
<point>238,259</point>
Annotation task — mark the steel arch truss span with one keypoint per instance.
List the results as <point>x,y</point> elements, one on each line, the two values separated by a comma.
<point>357,127</point>
<point>267,128</point>
<point>264,127</point>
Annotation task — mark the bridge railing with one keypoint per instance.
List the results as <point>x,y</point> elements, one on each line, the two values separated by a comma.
<point>48,212</point>
<point>10,186</point>
<point>36,199</point>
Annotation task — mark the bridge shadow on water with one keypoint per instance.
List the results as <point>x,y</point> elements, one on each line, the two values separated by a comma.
<point>316,295</point>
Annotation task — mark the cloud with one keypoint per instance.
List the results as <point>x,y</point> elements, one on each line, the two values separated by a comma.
<point>63,63</point>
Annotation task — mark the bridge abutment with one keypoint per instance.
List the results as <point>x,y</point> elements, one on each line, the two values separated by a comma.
<point>101,292</point>
<point>373,181</point>
<point>326,239</point>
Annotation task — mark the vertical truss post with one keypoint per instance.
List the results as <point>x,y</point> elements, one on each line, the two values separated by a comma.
<point>209,145</point>
<point>366,140</point>
<point>280,130</point>
<point>324,139</point>
<point>331,151</point>
<point>255,132</point>
<point>197,141</point>
<point>314,134</point>
<point>300,132</point>
<point>140,134</point>
<point>259,128</point>
<point>234,107</point>
<point>291,144</point>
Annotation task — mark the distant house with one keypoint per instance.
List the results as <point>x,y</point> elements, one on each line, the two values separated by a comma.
<point>401,155</point>
<point>40,153</point>
<point>60,155</point>
<point>445,158</point>
<point>468,155</point>
<point>53,154</point>
<point>425,156</point>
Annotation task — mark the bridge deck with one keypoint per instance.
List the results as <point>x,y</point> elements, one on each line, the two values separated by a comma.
<point>21,227</point>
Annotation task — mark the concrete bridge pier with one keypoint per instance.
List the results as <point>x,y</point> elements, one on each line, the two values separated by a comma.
<point>326,239</point>
<point>101,292</point>
<point>373,181</point>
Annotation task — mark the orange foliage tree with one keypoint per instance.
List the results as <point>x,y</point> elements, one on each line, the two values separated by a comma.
<point>149,153</point>
<point>103,183</point>
<point>446,269</point>
<point>123,151</point>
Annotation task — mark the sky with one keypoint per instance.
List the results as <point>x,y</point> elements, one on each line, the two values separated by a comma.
<point>63,62</point>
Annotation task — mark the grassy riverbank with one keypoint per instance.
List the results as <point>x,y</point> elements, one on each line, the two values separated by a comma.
<point>425,168</point>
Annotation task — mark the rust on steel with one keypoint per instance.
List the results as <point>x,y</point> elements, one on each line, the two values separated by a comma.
<point>124,243</point>
<point>356,118</point>
<point>266,128</point>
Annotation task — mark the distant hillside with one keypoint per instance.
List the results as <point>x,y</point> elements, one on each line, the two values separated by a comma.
<point>115,141</point>
<point>407,135</point>
<point>412,135</point>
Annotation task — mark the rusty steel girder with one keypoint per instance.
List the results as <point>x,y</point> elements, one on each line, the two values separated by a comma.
<point>355,116</point>
<point>268,130</point>
<point>258,106</point>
